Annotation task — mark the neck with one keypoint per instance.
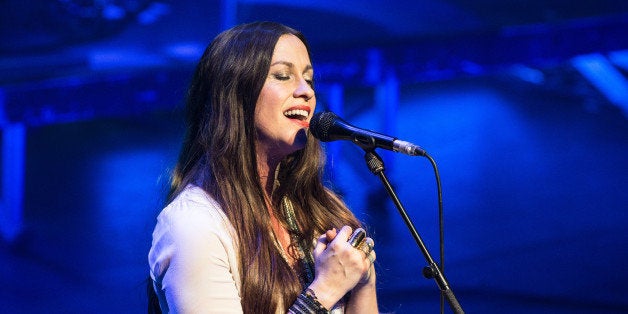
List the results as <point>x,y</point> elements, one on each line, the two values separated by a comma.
<point>266,168</point>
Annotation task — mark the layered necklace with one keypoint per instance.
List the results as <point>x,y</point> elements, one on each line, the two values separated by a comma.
<point>303,246</point>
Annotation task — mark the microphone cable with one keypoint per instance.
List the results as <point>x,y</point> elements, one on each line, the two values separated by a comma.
<point>441,226</point>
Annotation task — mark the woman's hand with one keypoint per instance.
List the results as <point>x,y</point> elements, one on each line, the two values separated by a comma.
<point>367,247</point>
<point>340,267</point>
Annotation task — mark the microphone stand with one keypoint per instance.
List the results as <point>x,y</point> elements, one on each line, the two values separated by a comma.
<point>432,271</point>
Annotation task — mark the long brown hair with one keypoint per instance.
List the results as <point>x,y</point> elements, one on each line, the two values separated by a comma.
<point>218,154</point>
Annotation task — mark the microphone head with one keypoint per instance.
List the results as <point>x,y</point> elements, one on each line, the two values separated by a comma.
<point>321,123</point>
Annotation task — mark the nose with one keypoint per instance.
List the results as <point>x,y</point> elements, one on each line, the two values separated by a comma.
<point>304,90</point>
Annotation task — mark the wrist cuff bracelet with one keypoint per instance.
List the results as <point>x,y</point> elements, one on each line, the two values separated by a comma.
<point>307,303</point>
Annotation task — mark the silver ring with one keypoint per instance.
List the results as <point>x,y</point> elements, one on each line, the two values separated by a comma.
<point>367,246</point>
<point>357,237</point>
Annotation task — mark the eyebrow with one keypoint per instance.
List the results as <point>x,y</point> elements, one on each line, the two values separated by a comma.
<point>291,65</point>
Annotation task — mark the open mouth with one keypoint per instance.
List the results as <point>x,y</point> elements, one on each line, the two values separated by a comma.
<point>297,114</point>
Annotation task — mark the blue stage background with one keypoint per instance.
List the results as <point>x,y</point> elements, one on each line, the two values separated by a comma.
<point>524,107</point>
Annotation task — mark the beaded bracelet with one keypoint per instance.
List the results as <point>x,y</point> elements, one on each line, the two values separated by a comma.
<point>307,303</point>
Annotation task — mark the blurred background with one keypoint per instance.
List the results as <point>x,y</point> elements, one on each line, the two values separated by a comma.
<point>523,105</point>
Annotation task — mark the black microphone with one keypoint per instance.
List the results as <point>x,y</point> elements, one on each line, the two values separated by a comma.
<point>327,126</point>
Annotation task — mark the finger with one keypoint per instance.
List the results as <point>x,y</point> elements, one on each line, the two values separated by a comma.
<point>372,256</point>
<point>321,244</point>
<point>331,234</point>
<point>370,243</point>
<point>343,234</point>
<point>370,269</point>
<point>366,246</point>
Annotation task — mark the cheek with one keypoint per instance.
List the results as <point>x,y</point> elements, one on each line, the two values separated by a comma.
<point>263,106</point>
<point>271,99</point>
<point>266,115</point>
<point>272,91</point>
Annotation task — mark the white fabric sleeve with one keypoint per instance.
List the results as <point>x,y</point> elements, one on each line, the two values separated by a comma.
<point>193,260</point>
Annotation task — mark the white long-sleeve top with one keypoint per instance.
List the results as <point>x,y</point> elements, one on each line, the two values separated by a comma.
<point>193,260</point>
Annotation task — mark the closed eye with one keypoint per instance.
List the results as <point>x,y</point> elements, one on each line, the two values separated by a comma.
<point>281,77</point>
